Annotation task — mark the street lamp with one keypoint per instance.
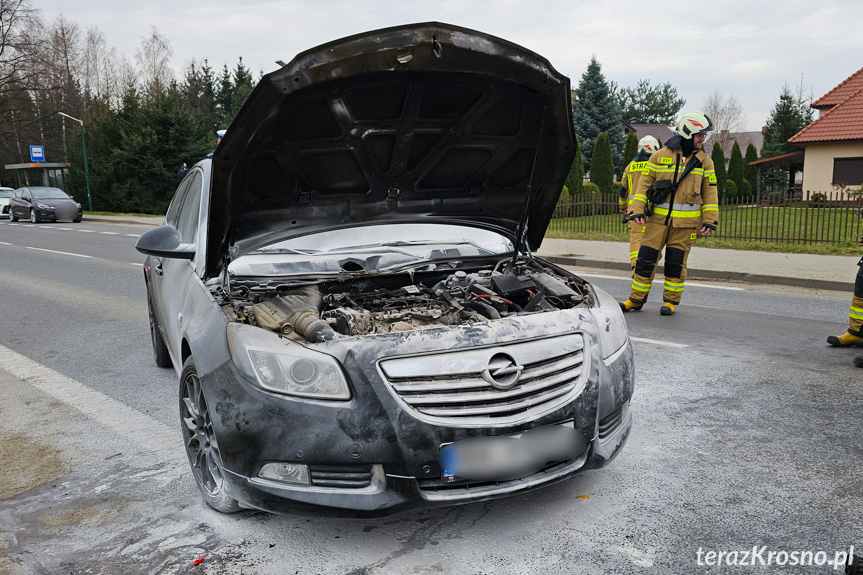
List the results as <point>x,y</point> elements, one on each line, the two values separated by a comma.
<point>86,167</point>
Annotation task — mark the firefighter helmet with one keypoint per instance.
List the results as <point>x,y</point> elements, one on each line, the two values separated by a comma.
<point>648,145</point>
<point>692,123</point>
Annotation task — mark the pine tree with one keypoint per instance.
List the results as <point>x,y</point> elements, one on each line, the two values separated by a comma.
<point>790,115</point>
<point>602,169</point>
<point>575,178</point>
<point>594,110</point>
<point>735,166</point>
<point>750,172</point>
<point>718,157</point>
<point>629,151</point>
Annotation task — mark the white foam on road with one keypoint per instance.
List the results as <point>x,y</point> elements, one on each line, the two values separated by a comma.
<point>149,434</point>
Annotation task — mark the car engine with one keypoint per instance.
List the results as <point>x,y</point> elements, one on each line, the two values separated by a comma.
<point>326,309</point>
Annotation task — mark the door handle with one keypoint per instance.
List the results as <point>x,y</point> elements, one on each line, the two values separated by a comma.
<point>158,267</point>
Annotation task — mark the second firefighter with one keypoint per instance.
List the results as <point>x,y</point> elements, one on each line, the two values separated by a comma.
<point>680,181</point>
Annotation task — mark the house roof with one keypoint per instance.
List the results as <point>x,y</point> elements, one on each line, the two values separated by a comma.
<point>840,93</point>
<point>842,122</point>
<point>662,133</point>
<point>783,161</point>
<point>659,131</point>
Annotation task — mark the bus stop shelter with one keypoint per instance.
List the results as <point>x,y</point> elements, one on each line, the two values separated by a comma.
<point>38,174</point>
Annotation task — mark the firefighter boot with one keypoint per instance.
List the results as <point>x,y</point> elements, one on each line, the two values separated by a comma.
<point>845,340</point>
<point>668,309</point>
<point>858,361</point>
<point>630,305</point>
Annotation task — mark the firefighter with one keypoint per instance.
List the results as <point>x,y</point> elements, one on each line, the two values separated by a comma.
<point>680,181</point>
<point>854,335</point>
<point>646,146</point>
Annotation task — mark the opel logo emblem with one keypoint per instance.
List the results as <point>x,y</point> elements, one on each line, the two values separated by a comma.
<point>503,371</point>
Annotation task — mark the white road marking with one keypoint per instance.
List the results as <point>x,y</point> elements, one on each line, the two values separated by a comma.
<point>657,342</point>
<point>66,229</point>
<point>64,253</point>
<point>134,264</point>
<point>87,231</point>
<point>6,243</point>
<point>689,283</point>
<point>44,227</point>
<point>11,224</point>
<point>133,235</point>
<point>109,233</point>
<point>152,435</point>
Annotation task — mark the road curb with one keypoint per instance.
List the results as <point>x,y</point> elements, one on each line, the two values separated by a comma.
<point>703,274</point>
<point>122,220</point>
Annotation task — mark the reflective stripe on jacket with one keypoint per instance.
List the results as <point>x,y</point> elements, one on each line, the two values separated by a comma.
<point>696,195</point>
<point>631,176</point>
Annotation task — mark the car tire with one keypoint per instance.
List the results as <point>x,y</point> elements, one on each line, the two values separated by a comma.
<point>12,217</point>
<point>33,217</point>
<point>202,449</point>
<point>78,221</point>
<point>854,566</point>
<point>160,350</point>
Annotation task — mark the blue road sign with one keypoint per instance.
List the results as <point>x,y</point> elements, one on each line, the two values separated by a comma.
<point>37,153</point>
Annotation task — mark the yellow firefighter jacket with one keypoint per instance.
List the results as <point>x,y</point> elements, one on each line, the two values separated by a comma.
<point>629,182</point>
<point>695,197</point>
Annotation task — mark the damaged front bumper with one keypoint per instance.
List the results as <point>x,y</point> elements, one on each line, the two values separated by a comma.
<point>375,455</point>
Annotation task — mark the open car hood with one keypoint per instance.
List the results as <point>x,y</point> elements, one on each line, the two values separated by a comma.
<point>422,123</point>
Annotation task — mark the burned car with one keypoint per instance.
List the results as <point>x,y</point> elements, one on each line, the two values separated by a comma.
<point>348,292</point>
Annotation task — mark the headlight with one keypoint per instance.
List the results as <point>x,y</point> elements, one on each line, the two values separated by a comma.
<point>612,326</point>
<point>284,366</point>
<point>43,206</point>
<point>79,206</point>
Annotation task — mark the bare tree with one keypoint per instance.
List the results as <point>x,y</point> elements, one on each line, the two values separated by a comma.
<point>153,60</point>
<point>726,113</point>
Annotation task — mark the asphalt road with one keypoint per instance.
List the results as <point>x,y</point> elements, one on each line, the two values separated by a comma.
<point>747,432</point>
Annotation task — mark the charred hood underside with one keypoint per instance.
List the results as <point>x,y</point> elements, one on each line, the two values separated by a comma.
<point>420,123</point>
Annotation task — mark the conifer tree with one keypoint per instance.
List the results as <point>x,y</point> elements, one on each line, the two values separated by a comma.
<point>718,157</point>
<point>595,110</point>
<point>750,172</point>
<point>629,151</point>
<point>575,178</point>
<point>735,166</point>
<point>602,169</point>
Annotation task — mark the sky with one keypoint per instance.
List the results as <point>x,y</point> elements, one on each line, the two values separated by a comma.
<point>748,49</point>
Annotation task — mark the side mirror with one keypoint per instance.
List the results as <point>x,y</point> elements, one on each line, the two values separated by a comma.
<point>164,242</point>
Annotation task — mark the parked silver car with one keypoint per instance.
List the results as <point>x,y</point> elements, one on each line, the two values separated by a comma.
<point>348,294</point>
<point>5,194</point>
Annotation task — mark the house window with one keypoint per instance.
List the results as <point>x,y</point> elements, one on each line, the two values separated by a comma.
<point>847,171</point>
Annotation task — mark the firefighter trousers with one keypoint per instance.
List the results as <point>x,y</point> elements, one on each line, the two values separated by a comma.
<point>677,243</point>
<point>636,231</point>
<point>855,322</point>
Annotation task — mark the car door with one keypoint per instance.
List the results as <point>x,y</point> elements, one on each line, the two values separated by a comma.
<point>176,273</point>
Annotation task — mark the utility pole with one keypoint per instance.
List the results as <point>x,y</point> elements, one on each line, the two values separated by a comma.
<point>86,167</point>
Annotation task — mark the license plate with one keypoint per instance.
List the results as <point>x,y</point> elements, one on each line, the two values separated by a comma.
<point>499,458</point>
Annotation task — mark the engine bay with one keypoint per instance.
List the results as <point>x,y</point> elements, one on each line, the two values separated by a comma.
<point>323,310</point>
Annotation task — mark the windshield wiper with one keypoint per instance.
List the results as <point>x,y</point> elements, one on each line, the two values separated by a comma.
<point>285,251</point>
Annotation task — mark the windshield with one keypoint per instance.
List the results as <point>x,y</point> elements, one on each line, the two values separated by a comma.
<point>48,194</point>
<point>370,248</point>
<point>6,193</point>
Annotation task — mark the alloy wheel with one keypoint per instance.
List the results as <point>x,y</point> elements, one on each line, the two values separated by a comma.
<point>201,445</point>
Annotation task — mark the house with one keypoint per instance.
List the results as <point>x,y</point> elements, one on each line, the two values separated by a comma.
<point>833,143</point>
<point>726,139</point>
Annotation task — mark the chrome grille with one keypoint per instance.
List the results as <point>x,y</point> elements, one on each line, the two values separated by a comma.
<point>457,387</point>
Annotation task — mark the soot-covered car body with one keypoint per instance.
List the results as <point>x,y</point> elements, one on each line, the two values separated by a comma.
<point>348,294</point>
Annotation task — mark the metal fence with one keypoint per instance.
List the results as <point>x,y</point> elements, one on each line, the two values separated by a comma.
<point>814,218</point>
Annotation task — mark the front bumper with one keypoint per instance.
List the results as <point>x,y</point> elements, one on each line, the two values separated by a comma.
<point>373,431</point>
